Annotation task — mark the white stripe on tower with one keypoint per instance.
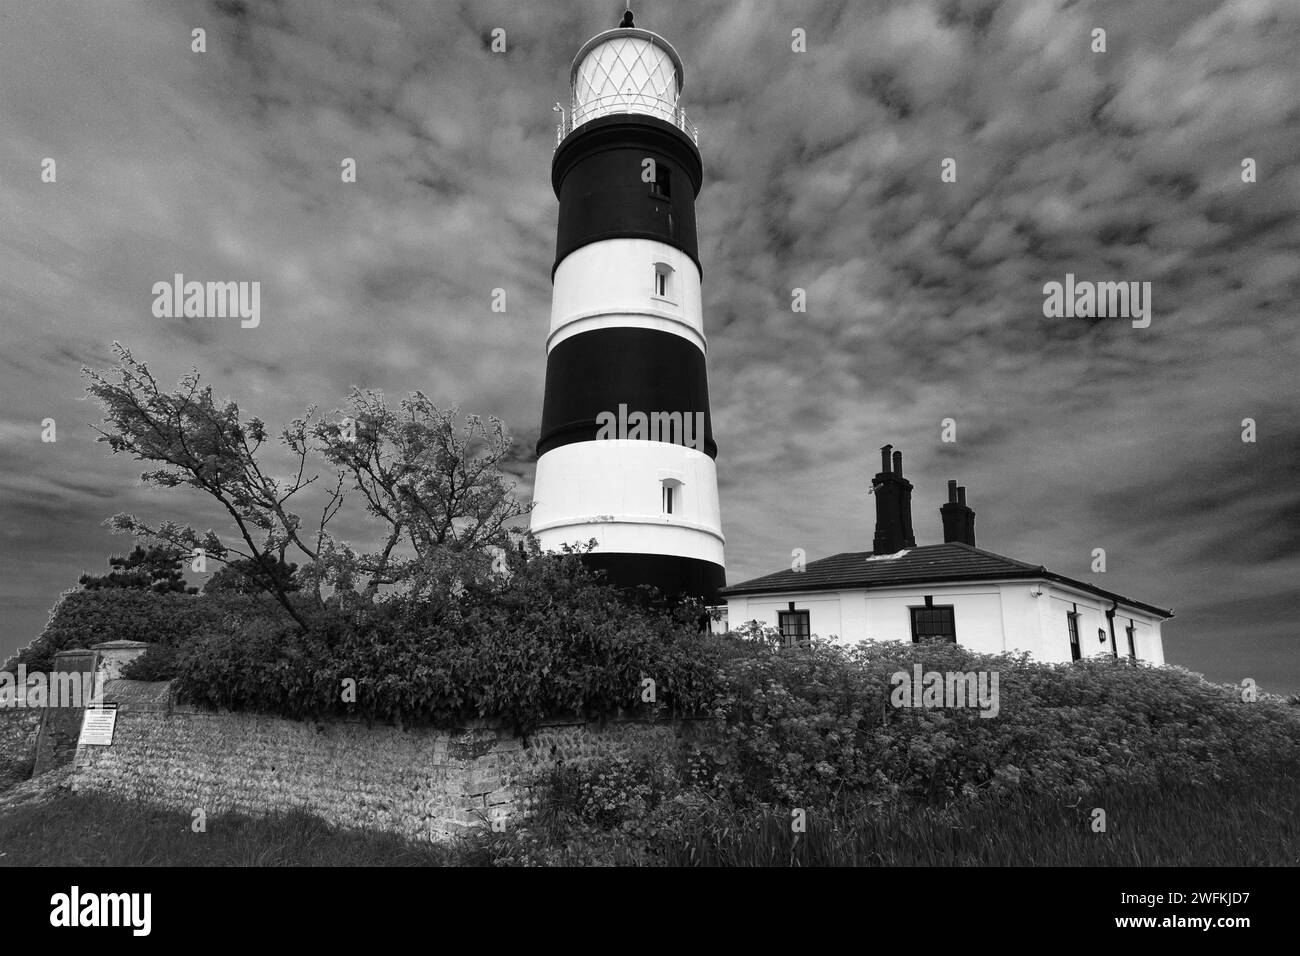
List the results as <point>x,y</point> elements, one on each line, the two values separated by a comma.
<point>609,283</point>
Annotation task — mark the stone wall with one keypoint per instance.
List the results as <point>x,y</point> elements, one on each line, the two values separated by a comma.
<point>18,727</point>
<point>423,784</point>
<point>36,738</point>
<point>56,742</point>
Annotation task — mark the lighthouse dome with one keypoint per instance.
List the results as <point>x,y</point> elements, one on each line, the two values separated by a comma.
<point>627,70</point>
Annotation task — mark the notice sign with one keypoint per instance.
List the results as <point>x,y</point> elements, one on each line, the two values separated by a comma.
<point>97,725</point>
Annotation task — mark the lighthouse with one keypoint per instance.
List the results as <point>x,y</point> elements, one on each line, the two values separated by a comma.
<point>626,454</point>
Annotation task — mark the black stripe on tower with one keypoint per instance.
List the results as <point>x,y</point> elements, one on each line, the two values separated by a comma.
<point>671,574</point>
<point>597,176</point>
<point>645,369</point>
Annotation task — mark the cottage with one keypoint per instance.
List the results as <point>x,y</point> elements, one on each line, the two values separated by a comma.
<point>954,591</point>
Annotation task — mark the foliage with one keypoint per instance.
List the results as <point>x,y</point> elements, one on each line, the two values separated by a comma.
<point>1238,822</point>
<point>434,488</point>
<point>814,729</point>
<point>202,444</point>
<point>623,792</point>
<point>1188,772</point>
<point>1243,821</point>
<point>544,639</point>
<point>1235,823</point>
<point>155,569</point>
<point>84,618</point>
<point>438,489</point>
<point>816,725</point>
<point>250,576</point>
<point>157,663</point>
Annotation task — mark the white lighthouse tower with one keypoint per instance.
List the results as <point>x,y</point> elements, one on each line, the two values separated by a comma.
<point>626,452</point>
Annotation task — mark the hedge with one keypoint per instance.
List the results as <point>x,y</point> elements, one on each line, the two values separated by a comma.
<point>552,640</point>
<point>84,618</point>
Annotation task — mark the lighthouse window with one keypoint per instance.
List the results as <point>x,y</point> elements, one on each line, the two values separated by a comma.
<point>663,281</point>
<point>662,186</point>
<point>671,497</point>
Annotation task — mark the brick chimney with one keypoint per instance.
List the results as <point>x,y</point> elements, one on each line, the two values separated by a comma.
<point>958,517</point>
<point>893,505</point>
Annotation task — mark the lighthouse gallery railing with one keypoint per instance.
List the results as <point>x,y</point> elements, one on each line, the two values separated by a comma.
<point>613,103</point>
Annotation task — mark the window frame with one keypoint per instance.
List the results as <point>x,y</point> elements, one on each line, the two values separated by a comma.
<point>1072,628</point>
<point>802,634</point>
<point>663,286</point>
<point>662,185</point>
<point>670,496</point>
<point>931,608</point>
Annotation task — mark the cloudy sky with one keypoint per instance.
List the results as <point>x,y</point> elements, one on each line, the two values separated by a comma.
<point>822,172</point>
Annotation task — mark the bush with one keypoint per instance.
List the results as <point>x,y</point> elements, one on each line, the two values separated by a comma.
<point>551,639</point>
<point>157,663</point>
<point>814,726</point>
<point>1176,759</point>
<point>84,618</point>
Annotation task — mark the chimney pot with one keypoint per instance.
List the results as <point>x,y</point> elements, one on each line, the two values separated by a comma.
<point>958,517</point>
<point>893,505</point>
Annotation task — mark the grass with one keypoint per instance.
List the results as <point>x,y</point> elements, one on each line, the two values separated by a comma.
<point>1238,823</point>
<point>1246,823</point>
<point>94,830</point>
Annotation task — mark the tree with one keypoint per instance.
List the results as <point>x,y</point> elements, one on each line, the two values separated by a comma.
<point>204,445</point>
<point>155,569</point>
<point>442,503</point>
<point>437,488</point>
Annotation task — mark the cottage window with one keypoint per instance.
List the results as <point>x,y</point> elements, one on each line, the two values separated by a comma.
<point>934,620</point>
<point>795,627</point>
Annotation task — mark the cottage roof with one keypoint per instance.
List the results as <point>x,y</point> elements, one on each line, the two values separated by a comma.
<point>951,563</point>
